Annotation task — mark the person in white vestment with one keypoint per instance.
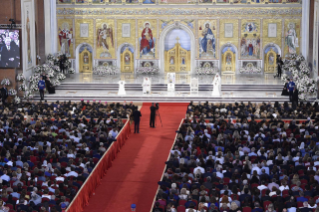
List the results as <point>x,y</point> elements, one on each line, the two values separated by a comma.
<point>217,85</point>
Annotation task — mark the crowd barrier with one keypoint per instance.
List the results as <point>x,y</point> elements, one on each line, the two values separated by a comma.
<point>88,188</point>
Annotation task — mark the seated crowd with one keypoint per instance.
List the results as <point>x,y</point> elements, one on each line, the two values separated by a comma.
<point>48,150</point>
<point>227,159</point>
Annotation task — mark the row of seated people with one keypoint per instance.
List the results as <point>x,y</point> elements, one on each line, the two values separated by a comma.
<point>256,165</point>
<point>48,150</point>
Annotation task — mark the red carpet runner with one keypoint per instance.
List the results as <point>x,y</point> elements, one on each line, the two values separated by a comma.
<point>138,167</point>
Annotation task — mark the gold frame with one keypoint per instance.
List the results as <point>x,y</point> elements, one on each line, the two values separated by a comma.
<point>130,67</point>
<point>82,64</point>
<point>268,67</point>
<point>233,61</point>
<point>178,53</point>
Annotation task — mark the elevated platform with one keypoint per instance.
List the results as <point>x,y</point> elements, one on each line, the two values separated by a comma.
<point>234,88</point>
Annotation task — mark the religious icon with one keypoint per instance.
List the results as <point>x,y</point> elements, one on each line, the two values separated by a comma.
<point>149,2</point>
<point>28,38</point>
<point>171,61</point>
<point>250,27</point>
<point>147,41</point>
<point>228,59</point>
<point>291,39</point>
<point>183,61</point>
<point>127,59</point>
<point>207,42</point>
<point>105,39</point>
<point>86,58</point>
<point>271,59</point>
<point>65,37</point>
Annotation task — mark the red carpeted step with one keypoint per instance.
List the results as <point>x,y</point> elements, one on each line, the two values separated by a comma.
<point>139,166</point>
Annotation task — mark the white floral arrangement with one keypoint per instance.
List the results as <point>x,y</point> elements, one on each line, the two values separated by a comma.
<point>5,82</point>
<point>17,100</point>
<point>22,87</point>
<point>34,88</point>
<point>71,71</point>
<point>34,78</point>
<point>206,71</point>
<point>103,70</point>
<point>55,82</point>
<point>147,70</point>
<point>284,78</point>
<point>20,78</point>
<point>56,68</point>
<point>61,76</point>
<point>27,95</point>
<point>250,70</point>
<point>12,92</point>
<point>50,73</point>
<point>301,74</point>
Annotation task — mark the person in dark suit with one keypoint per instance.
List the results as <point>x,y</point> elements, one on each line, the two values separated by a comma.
<point>10,54</point>
<point>295,97</point>
<point>49,86</point>
<point>137,116</point>
<point>153,109</point>
<point>4,94</point>
<point>279,67</point>
<point>61,63</point>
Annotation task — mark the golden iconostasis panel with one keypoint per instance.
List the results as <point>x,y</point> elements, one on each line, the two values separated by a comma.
<point>250,42</point>
<point>147,39</point>
<point>292,36</point>
<point>84,32</point>
<point>105,39</point>
<point>65,36</point>
<point>126,32</point>
<point>272,31</point>
<point>207,39</point>
<point>228,32</point>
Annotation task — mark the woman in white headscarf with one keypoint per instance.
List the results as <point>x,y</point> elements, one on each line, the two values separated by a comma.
<point>217,85</point>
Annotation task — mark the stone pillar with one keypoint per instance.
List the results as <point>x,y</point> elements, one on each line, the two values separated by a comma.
<point>305,28</point>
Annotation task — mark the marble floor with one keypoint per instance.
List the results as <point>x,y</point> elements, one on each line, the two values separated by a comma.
<point>180,79</point>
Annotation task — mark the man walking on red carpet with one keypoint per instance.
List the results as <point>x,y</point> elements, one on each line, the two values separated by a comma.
<point>153,109</point>
<point>137,116</point>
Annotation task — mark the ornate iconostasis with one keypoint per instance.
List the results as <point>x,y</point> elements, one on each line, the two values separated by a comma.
<point>180,39</point>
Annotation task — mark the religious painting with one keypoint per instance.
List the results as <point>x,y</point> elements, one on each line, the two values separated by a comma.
<point>291,38</point>
<point>105,63</point>
<point>275,1</point>
<point>65,1</point>
<point>97,1</point>
<point>250,27</point>
<point>147,39</point>
<point>28,30</point>
<point>257,1</point>
<point>147,64</point>
<point>222,1</point>
<point>207,39</point>
<point>127,58</point>
<point>228,59</point>
<point>132,1</point>
<point>207,64</point>
<point>115,1</point>
<point>271,59</point>
<point>149,1</point>
<point>239,1</point>
<point>189,23</point>
<point>250,47</point>
<point>65,34</point>
<point>292,1</point>
<point>81,1</point>
<point>85,58</point>
<point>205,1</point>
<point>165,23</point>
<point>105,39</point>
<point>250,64</point>
<point>28,34</point>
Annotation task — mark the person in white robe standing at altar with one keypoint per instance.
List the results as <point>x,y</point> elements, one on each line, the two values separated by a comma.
<point>217,85</point>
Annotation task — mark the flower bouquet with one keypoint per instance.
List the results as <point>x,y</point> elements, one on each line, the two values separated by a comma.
<point>20,78</point>
<point>27,95</point>
<point>12,92</point>
<point>207,71</point>
<point>17,100</point>
<point>61,76</point>
<point>250,70</point>
<point>71,71</point>
<point>55,82</point>
<point>22,87</point>
<point>147,70</point>
<point>5,82</point>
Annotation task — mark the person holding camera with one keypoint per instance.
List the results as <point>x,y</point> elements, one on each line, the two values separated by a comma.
<point>153,109</point>
<point>137,116</point>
